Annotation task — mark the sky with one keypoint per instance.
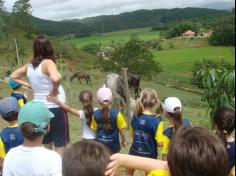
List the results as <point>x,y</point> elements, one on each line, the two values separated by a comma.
<point>77,9</point>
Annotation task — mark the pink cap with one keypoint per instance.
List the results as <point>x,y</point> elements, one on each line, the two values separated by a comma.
<point>104,94</point>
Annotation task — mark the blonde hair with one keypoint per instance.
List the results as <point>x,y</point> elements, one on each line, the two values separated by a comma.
<point>148,98</point>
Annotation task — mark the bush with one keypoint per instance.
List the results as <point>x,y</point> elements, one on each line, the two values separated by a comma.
<point>91,48</point>
<point>133,55</point>
<point>207,64</point>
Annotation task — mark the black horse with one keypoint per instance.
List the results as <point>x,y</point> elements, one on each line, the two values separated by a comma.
<point>80,76</point>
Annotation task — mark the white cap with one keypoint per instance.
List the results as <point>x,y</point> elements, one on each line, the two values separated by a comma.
<point>171,104</point>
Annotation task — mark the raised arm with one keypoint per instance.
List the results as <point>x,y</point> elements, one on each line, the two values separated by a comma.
<point>63,105</point>
<point>132,162</point>
<point>19,74</point>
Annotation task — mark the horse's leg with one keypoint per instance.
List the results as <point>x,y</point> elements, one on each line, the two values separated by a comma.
<point>72,78</point>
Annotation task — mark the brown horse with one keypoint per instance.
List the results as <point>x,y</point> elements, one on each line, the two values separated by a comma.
<point>80,76</point>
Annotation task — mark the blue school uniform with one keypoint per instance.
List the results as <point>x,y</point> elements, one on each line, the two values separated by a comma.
<point>20,98</point>
<point>111,138</point>
<point>231,154</point>
<point>168,135</point>
<point>146,129</point>
<point>10,137</point>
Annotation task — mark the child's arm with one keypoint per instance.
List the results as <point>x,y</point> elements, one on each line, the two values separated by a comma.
<point>121,124</point>
<point>63,105</point>
<point>132,162</point>
<point>123,138</point>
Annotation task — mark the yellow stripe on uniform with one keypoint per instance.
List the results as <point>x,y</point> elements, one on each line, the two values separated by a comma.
<point>159,173</point>
<point>121,123</point>
<point>166,142</point>
<point>159,133</point>
<point>94,125</point>
<point>2,150</point>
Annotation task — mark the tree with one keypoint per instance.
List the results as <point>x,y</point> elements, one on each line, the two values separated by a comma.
<point>207,64</point>
<point>224,34</point>
<point>2,8</point>
<point>135,56</point>
<point>219,85</point>
<point>22,12</point>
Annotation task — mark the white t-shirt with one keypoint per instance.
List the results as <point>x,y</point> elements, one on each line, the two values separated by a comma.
<point>87,132</point>
<point>36,161</point>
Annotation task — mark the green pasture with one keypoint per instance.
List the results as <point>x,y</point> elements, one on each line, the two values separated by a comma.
<point>107,38</point>
<point>177,63</point>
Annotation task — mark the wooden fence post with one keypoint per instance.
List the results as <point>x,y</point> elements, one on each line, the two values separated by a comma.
<point>17,54</point>
<point>127,95</point>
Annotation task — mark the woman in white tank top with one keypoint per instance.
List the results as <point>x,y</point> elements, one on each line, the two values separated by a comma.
<point>45,80</point>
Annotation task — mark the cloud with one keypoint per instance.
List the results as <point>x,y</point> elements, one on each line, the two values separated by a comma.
<point>71,9</point>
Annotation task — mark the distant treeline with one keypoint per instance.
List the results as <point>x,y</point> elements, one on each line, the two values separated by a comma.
<point>159,19</point>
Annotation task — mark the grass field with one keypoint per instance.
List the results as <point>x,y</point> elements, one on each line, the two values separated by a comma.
<point>177,63</point>
<point>107,38</point>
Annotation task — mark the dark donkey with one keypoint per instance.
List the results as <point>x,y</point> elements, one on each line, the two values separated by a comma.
<point>81,75</point>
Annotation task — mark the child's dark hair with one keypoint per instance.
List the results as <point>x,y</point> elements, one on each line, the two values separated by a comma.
<point>106,117</point>
<point>197,152</point>
<point>224,119</point>
<point>11,116</point>
<point>28,131</point>
<point>177,118</point>
<point>148,98</point>
<point>86,158</point>
<point>86,98</point>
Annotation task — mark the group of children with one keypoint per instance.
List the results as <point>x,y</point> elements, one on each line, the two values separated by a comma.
<point>186,150</point>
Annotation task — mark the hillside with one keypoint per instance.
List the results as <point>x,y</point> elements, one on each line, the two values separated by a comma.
<point>219,5</point>
<point>130,20</point>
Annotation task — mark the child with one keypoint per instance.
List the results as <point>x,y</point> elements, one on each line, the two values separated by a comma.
<point>86,158</point>
<point>224,120</point>
<point>194,151</point>
<point>173,113</point>
<point>21,98</point>
<point>86,99</point>
<point>147,128</point>
<point>108,123</point>
<point>31,158</point>
<point>10,136</point>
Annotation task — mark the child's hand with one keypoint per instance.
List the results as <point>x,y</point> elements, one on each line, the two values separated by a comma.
<point>26,95</point>
<point>53,99</point>
<point>115,164</point>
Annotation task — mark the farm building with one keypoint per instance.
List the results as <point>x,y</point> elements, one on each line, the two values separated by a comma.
<point>189,33</point>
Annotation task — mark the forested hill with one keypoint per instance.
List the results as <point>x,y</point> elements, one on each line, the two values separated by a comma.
<point>136,19</point>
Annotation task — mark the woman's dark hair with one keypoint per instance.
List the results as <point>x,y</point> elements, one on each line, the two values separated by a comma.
<point>177,118</point>
<point>106,117</point>
<point>224,119</point>
<point>11,116</point>
<point>86,158</point>
<point>86,98</point>
<point>42,49</point>
<point>197,152</point>
<point>28,131</point>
